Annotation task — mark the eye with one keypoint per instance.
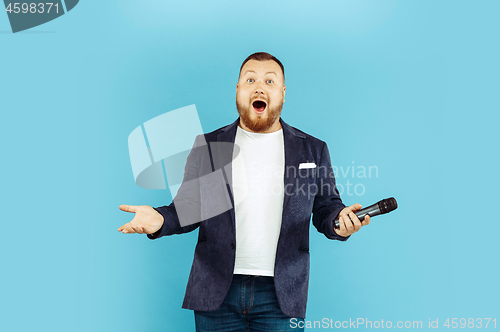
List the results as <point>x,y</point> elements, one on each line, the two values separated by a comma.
<point>269,82</point>
<point>250,80</point>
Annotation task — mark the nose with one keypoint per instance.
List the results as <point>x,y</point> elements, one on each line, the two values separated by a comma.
<point>259,90</point>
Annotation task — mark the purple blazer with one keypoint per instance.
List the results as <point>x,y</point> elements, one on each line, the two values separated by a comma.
<point>214,256</point>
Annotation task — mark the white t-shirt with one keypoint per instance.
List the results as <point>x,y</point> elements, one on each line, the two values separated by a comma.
<point>258,195</point>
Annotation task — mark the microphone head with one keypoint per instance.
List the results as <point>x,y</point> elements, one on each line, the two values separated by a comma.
<point>387,205</point>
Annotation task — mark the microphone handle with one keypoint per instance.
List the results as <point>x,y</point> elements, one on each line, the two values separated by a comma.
<point>372,210</point>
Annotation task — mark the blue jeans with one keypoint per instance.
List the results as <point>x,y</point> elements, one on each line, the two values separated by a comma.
<point>250,305</point>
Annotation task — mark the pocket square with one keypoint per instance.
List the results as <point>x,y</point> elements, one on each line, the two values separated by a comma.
<point>307,165</point>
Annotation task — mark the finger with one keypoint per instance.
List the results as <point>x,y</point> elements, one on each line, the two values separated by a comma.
<point>348,224</point>
<point>138,229</point>
<point>122,227</point>
<point>128,208</point>
<point>127,224</point>
<point>128,229</point>
<point>355,207</point>
<point>366,221</point>
<point>343,229</point>
<point>355,221</point>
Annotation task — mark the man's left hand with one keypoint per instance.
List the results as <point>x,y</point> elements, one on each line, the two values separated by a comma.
<point>349,222</point>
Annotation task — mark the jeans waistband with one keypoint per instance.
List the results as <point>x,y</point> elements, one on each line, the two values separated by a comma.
<point>240,277</point>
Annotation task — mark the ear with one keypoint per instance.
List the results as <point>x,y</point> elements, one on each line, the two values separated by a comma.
<point>284,89</point>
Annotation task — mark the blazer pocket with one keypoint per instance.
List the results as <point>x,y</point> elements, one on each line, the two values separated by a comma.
<point>307,165</point>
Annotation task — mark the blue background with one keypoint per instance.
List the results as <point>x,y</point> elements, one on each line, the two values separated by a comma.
<point>410,87</point>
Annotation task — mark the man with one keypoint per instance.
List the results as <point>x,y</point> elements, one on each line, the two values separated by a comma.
<point>251,264</point>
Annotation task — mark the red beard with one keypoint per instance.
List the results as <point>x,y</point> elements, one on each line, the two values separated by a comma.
<point>261,123</point>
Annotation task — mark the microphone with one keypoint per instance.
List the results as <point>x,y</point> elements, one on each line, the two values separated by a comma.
<point>384,206</point>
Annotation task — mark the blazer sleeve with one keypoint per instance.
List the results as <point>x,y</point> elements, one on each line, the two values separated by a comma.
<point>183,214</point>
<point>327,202</point>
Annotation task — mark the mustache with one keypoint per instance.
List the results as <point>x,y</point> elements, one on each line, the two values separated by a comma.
<point>258,98</point>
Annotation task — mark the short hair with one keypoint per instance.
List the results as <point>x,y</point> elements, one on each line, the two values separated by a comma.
<point>263,56</point>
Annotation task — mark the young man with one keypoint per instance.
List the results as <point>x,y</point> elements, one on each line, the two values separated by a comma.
<point>251,263</point>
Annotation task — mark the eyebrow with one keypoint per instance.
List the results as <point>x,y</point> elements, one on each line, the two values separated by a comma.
<point>269,72</point>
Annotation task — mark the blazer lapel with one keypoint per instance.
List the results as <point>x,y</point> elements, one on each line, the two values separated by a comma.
<point>293,151</point>
<point>222,154</point>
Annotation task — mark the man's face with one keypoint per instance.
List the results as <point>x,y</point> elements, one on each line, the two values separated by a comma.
<point>260,94</point>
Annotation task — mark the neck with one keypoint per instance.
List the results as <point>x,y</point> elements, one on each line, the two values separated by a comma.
<point>275,127</point>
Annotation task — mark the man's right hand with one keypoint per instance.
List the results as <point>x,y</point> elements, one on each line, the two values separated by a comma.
<point>147,220</point>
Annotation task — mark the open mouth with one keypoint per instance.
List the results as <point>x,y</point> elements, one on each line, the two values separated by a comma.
<point>259,106</point>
